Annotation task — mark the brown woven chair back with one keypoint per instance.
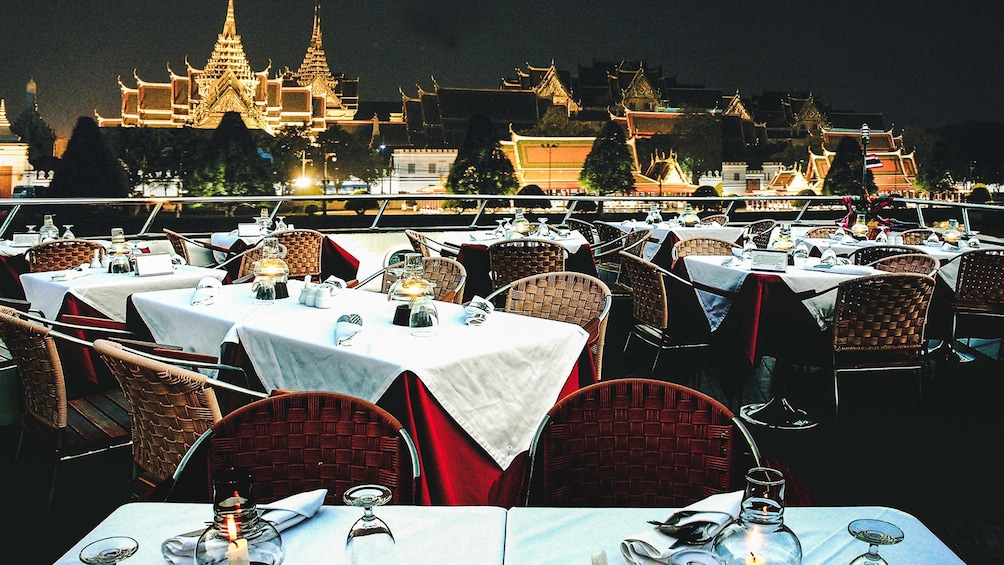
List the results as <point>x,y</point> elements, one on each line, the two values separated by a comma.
<point>637,443</point>
<point>586,229</point>
<point>916,236</point>
<point>980,283</point>
<point>566,297</point>
<point>70,426</point>
<point>171,407</point>
<point>820,232</point>
<point>303,251</point>
<point>418,242</point>
<point>882,313</point>
<point>872,253</point>
<point>760,226</point>
<point>248,259</point>
<point>920,263</point>
<point>301,441</point>
<point>178,244</point>
<point>648,292</point>
<point>762,240</point>
<point>607,232</point>
<point>720,219</point>
<point>62,254</point>
<point>449,275</point>
<point>702,246</point>
<point>514,259</point>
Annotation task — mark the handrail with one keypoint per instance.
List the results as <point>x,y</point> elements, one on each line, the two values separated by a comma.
<point>561,204</point>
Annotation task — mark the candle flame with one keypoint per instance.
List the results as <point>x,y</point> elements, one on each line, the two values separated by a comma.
<point>231,528</point>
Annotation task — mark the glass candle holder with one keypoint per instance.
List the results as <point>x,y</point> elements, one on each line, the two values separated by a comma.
<point>759,535</point>
<point>237,536</point>
<point>270,273</point>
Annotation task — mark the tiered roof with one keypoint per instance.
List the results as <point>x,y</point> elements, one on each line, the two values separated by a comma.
<point>6,135</point>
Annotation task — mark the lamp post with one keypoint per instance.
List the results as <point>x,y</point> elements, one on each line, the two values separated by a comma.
<point>550,147</point>
<point>865,138</point>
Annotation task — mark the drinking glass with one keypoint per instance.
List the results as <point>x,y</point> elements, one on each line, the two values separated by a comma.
<point>67,234</point>
<point>107,551</point>
<point>499,232</point>
<point>31,227</point>
<point>369,540</point>
<point>280,225</point>
<point>874,533</point>
<point>424,319</point>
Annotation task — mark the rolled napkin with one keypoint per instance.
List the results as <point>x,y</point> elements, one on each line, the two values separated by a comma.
<point>477,311</point>
<point>335,283</point>
<point>205,291</point>
<point>653,547</point>
<point>347,326</point>
<point>284,513</point>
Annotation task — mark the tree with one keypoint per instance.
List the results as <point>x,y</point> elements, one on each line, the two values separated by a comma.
<point>481,167</point>
<point>33,130</point>
<point>699,142</point>
<point>89,167</point>
<point>353,153</point>
<point>844,176</point>
<point>233,165</point>
<point>934,160</point>
<point>607,168</point>
<point>555,123</point>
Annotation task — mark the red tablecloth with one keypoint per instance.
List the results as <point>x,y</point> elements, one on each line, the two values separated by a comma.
<point>474,258</point>
<point>10,275</point>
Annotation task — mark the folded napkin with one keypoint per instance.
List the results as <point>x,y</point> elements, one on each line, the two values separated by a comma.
<point>205,291</point>
<point>284,513</point>
<point>477,311</point>
<point>653,547</point>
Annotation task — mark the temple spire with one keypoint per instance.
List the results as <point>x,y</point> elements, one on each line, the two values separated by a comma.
<point>230,26</point>
<point>315,62</point>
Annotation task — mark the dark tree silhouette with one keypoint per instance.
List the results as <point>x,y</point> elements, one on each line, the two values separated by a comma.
<point>607,168</point>
<point>233,164</point>
<point>89,167</point>
<point>33,130</point>
<point>481,167</point>
<point>844,176</point>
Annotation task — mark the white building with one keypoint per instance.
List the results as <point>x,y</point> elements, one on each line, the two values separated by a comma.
<point>14,167</point>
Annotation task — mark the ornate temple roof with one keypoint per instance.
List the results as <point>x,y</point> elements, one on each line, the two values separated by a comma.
<point>6,135</point>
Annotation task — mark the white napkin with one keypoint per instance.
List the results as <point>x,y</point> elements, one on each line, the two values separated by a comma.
<point>477,311</point>
<point>653,547</point>
<point>284,513</point>
<point>205,291</point>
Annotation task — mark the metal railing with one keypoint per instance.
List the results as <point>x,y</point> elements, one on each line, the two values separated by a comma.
<point>369,212</point>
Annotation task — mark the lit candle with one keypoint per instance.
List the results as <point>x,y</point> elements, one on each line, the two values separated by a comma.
<point>751,560</point>
<point>237,552</point>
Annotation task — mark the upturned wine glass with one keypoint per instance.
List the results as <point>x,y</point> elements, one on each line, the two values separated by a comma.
<point>369,539</point>
<point>31,227</point>
<point>874,533</point>
<point>67,234</point>
<point>107,551</point>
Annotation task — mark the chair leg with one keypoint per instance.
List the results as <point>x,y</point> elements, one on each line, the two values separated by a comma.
<point>20,442</point>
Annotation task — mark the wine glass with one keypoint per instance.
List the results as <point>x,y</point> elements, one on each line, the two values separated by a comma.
<point>369,539</point>
<point>280,225</point>
<point>874,533</point>
<point>31,227</point>
<point>500,230</point>
<point>110,550</point>
<point>67,234</point>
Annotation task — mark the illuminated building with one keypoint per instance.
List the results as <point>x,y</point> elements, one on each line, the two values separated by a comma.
<point>311,96</point>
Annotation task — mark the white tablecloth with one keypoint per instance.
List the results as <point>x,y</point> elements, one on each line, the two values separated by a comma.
<point>106,292</point>
<point>572,535</point>
<point>817,287</point>
<point>423,534</point>
<point>496,380</point>
<point>572,242</point>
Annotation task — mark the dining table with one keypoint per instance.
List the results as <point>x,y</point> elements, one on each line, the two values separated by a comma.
<point>340,256</point>
<point>473,255</point>
<point>515,536</point>
<point>422,534</point>
<point>659,246</point>
<point>471,396</point>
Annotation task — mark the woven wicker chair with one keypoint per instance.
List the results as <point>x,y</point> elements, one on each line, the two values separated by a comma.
<point>170,408</point>
<point>606,232</point>
<point>586,229</point>
<point>761,226</point>
<point>872,253</point>
<point>916,236</point>
<point>566,297</point>
<point>449,275</point>
<point>702,246</point>
<point>248,257</point>
<point>820,232</point>
<point>180,243</point>
<point>637,443</point>
<point>979,296</point>
<point>666,312</point>
<point>429,247</point>
<point>62,254</point>
<point>303,251</point>
<point>607,255</point>
<point>878,325</point>
<point>720,219</point>
<point>300,441</point>
<point>920,263</point>
<point>71,426</point>
<point>514,259</point>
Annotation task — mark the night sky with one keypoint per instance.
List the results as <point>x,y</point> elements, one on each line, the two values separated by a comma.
<point>922,63</point>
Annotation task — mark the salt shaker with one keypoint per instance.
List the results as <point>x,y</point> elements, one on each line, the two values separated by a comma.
<point>96,260</point>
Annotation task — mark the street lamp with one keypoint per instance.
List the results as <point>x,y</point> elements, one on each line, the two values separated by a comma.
<point>865,138</point>
<point>549,147</point>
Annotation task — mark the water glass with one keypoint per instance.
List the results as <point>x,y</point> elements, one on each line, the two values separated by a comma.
<point>424,318</point>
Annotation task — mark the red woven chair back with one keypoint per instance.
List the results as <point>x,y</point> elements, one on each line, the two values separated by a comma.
<point>636,443</point>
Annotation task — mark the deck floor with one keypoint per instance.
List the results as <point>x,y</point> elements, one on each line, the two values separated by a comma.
<point>934,458</point>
